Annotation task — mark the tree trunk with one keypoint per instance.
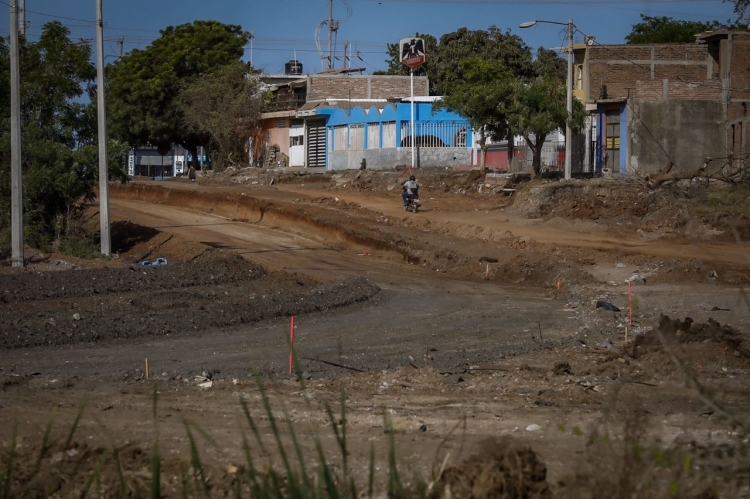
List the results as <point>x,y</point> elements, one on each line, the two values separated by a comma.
<point>511,148</point>
<point>536,149</point>
<point>193,149</point>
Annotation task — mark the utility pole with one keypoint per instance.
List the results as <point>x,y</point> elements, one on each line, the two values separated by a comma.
<point>103,171</point>
<point>16,176</point>
<point>330,33</point>
<point>120,43</point>
<point>569,82</point>
<point>22,17</point>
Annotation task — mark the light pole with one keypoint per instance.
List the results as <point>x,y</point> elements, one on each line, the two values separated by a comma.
<point>568,133</point>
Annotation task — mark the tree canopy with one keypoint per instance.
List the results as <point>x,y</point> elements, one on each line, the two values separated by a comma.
<point>483,97</point>
<point>59,141</point>
<point>143,86</point>
<point>443,59</point>
<point>667,30</point>
<point>539,108</point>
<point>226,104</point>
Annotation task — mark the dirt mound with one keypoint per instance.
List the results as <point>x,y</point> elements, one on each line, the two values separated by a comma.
<point>677,331</point>
<point>502,469</point>
<point>113,304</point>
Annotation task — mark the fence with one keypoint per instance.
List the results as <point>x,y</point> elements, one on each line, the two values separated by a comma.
<point>553,155</point>
<point>434,135</point>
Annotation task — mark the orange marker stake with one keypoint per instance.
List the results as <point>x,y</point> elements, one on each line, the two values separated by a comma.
<point>630,302</point>
<point>291,346</point>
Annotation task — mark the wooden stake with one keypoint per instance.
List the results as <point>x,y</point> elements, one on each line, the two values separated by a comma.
<point>146,367</point>
<point>291,345</point>
<point>630,303</point>
<point>558,283</point>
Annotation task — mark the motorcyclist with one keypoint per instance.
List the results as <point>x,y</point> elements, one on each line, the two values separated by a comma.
<point>411,190</point>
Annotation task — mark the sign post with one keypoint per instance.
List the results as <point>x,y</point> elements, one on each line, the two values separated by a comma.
<point>412,54</point>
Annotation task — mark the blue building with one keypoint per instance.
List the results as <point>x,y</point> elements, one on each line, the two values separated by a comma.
<point>379,134</point>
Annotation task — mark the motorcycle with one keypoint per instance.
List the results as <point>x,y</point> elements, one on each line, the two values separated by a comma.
<point>413,205</point>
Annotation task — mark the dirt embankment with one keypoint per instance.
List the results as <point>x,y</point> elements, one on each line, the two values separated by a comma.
<point>204,288</point>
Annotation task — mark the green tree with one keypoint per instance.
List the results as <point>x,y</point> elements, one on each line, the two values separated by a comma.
<point>482,97</point>
<point>227,105</point>
<point>59,143</point>
<point>740,8</point>
<point>539,107</point>
<point>443,59</point>
<point>144,85</point>
<point>667,30</point>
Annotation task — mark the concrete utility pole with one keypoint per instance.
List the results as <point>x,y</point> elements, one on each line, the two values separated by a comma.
<point>103,171</point>
<point>16,176</point>
<point>22,18</point>
<point>568,133</point>
<point>120,43</point>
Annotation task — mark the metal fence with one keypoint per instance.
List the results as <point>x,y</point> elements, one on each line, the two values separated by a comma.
<point>434,135</point>
<point>553,155</point>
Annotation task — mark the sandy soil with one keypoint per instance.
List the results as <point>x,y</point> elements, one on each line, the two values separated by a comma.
<point>472,320</point>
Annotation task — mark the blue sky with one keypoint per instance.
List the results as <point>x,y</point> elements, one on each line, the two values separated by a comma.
<point>283,26</point>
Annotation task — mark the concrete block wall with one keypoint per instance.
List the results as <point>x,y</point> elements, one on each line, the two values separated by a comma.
<point>639,71</point>
<point>382,159</point>
<point>365,86</point>
<point>684,131</point>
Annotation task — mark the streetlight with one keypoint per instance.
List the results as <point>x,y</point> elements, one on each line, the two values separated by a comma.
<point>568,134</point>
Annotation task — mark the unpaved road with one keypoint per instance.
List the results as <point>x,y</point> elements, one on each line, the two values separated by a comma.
<point>528,354</point>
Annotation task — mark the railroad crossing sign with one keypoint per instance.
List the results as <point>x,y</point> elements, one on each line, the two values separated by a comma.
<point>412,51</point>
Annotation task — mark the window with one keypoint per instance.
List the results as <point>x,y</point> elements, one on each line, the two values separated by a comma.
<point>578,85</point>
<point>280,123</point>
<point>297,140</point>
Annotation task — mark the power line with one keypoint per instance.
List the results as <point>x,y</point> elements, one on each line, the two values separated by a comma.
<point>90,22</point>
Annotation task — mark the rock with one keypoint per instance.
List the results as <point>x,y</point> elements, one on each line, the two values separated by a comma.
<point>422,426</point>
<point>620,265</point>
<point>636,279</point>
<point>607,306</point>
<point>232,469</point>
<point>206,385</point>
<point>533,427</point>
<point>562,368</point>
<point>76,317</point>
<point>454,379</point>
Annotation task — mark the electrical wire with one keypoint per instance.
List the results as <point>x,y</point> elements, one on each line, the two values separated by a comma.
<point>90,22</point>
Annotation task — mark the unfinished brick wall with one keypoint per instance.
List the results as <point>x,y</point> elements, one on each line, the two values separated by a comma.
<point>639,71</point>
<point>364,87</point>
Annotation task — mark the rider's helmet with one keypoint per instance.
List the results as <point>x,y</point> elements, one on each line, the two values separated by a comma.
<point>412,178</point>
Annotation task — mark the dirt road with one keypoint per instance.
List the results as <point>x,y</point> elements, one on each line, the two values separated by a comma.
<point>451,350</point>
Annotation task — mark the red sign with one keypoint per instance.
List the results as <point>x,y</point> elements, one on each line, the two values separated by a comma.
<point>412,51</point>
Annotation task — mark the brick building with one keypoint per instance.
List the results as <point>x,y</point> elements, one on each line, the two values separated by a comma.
<point>666,102</point>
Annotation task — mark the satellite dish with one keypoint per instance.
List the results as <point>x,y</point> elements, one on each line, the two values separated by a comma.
<point>590,40</point>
